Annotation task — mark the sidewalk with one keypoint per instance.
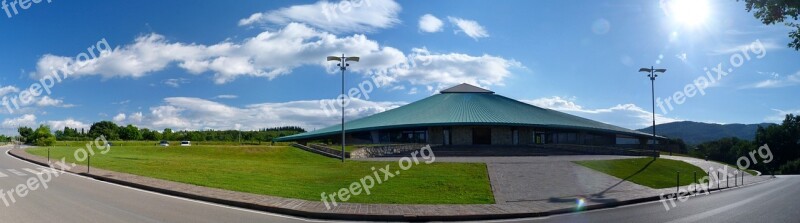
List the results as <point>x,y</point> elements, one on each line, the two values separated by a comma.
<point>377,212</point>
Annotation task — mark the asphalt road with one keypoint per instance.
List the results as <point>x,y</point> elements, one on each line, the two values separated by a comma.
<point>776,200</point>
<point>72,198</point>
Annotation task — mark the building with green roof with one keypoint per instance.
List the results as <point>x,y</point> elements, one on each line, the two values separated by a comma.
<point>469,115</point>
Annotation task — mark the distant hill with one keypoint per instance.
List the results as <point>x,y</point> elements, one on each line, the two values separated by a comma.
<point>699,132</point>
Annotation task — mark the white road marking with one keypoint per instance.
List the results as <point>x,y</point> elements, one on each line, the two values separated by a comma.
<point>32,171</point>
<point>16,172</point>
<point>3,175</point>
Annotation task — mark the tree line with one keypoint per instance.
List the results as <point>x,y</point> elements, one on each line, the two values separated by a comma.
<point>783,141</point>
<point>42,136</point>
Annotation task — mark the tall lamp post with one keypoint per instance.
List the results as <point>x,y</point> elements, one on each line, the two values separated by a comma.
<point>343,67</point>
<point>652,75</point>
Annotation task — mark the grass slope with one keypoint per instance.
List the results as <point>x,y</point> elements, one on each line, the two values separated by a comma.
<point>293,173</point>
<point>659,173</point>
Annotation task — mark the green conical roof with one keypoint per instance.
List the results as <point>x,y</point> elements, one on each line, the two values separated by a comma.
<point>467,105</point>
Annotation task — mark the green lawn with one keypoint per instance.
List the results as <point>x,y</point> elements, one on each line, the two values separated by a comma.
<point>660,173</point>
<point>293,173</point>
<point>172,143</point>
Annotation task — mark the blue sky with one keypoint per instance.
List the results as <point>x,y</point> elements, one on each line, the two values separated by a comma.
<point>255,64</point>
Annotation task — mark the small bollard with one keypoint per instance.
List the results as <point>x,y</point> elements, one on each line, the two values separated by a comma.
<point>48,155</point>
<point>677,182</point>
<point>735,179</point>
<point>718,180</point>
<point>727,177</point>
<point>695,181</point>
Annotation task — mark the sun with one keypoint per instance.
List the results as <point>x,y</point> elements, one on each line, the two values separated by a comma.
<point>691,13</point>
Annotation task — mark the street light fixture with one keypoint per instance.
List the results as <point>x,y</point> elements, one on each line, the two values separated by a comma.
<point>652,75</point>
<point>343,66</point>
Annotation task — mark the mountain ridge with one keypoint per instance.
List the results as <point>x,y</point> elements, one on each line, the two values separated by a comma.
<point>698,132</point>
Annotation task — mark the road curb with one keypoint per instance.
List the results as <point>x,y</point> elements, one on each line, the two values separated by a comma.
<point>361,217</point>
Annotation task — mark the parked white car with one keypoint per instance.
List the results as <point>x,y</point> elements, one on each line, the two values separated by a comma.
<point>164,143</point>
<point>186,143</point>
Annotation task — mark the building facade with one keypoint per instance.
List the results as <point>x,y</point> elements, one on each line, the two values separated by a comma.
<point>469,115</point>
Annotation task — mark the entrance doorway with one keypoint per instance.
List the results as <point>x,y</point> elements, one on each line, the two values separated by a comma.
<point>538,137</point>
<point>481,136</point>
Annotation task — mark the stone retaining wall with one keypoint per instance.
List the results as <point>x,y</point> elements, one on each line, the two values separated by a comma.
<point>322,150</point>
<point>383,150</point>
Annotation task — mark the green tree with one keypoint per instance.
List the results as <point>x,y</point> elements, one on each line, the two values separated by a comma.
<point>26,133</point>
<point>771,12</point>
<point>167,134</point>
<point>130,132</point>
<point>105,128</point>
<point>150,135</point>
<point>783,141</point>
<point>43,137</point>
<point>791,167</point>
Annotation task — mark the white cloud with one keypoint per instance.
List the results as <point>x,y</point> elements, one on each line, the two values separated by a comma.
<point>196,113</point>
<point>147,54</point>
<point>555,103</point>
<point>254,18</point>
<point>398,87</point>
<point>226,96</point>
<point>28,120</point>
<point>269,54</point>
<point>136,117</point>
<point>768,45</point>
<point>175,82</point>
<point>469,27</point>
<point>274,53</point>
<point>123,102</point>
<point>446,70</point>
<point>46,101</point>
<point>624,115</point>
<point>776,82</point>
<point>72,123</point>
<point>8,90</point>
<point>412,91</point>
<point>346,16</point>
<point>429,23</point>
<point>780,115</point>
<point>119,118</point>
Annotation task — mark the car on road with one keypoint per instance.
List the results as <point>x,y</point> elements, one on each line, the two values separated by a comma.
<point>186,143</point>
<point>163,143</point>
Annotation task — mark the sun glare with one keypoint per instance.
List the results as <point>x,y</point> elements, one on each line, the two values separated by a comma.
<point>690,13</point>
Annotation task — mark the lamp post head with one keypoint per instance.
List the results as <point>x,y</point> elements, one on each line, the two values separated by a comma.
<point>652,72</point>
<point>343,60</point>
